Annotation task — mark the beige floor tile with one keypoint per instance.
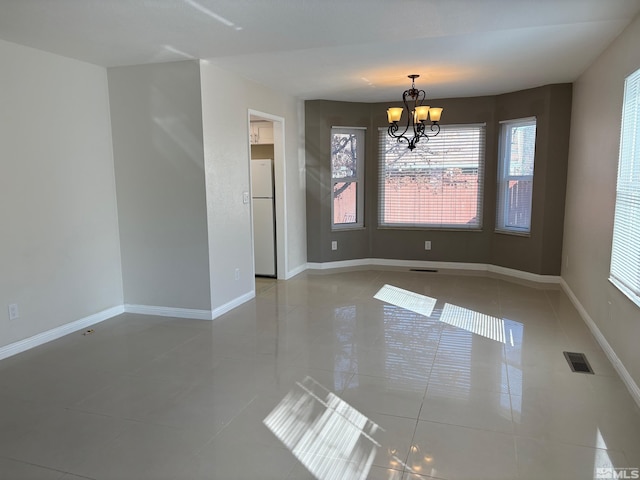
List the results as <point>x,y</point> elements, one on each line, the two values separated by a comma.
<point>476,388</point>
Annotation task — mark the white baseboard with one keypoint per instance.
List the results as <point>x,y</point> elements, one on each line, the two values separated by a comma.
<point>295,271</point>
<point>169,311</point>
<point>61,331</point>
<point>624,374</point>
<point>362,262</point>
<point>55,333</point>
<point>475,267</point>
<point>532,277</point>
<point>189,312</point>
<point>236,302</point>
<point>384,262</point>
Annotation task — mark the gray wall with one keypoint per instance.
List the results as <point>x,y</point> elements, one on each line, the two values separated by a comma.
<point>320,116</point>
<point>539,253</point>
<point>60,254</point>
<point>591,192</point>
<point>542,251</point>
<point>156,118</point>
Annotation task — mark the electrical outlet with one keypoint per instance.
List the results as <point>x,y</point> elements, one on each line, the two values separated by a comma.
<point>334,245</point>
<point>13,311</point>
<point>427,244</point>
<point>237,274</point>
<point>245,197</point>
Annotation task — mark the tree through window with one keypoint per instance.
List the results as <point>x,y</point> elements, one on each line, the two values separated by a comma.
<point>347,165</point>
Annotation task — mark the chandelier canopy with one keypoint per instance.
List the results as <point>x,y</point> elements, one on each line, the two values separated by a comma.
<point>417,116</point>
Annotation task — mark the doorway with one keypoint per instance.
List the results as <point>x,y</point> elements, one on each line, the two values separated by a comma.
<point>266,167</point>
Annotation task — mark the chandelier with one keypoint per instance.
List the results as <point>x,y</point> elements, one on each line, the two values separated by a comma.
<point>417,115</point>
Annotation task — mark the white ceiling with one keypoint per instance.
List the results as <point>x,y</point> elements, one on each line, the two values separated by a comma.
<point>352,50</point>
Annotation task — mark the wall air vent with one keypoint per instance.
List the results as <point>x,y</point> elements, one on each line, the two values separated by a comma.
<point>578,362</point>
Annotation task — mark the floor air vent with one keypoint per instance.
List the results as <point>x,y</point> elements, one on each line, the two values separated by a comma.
<point>578,362</point>
<point>428,270</point>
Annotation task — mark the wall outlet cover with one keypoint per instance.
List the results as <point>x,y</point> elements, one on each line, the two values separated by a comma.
<point>13,311</point>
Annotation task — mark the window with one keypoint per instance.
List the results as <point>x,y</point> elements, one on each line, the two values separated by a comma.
<point>515,175</point>
<point>625,250</point>
<point>437,185</point>
<point>347,177</point>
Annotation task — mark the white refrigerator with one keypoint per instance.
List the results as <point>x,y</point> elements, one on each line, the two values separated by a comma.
<point>264,231</point>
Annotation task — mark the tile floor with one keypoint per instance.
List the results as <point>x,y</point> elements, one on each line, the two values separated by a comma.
<point>475,386</point>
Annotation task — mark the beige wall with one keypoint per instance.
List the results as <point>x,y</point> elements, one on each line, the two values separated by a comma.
<point>60,253</point>
<point>227,99</point>
<point>156,118</point>
<point>590,201</point>
<point>61,248</point>
<point>181,148</point>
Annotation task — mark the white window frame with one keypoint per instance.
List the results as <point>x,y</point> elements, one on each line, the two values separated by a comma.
<point>358,178</point>
<point>504,177</point>
<point>435,143</point>
<point>625,248</point>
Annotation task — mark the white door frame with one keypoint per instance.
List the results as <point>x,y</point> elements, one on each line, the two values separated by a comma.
<point>282,261</point>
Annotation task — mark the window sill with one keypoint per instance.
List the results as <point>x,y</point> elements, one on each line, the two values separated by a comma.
<point>347,229</point>
<point>625,291</point>
<point>432,229</point>
<point>513,233</point>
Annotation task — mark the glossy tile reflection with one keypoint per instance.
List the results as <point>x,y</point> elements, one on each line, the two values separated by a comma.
<point>463,377</point>
<point>329,437</point>
<point>454,315</point>
<point>411,301</point>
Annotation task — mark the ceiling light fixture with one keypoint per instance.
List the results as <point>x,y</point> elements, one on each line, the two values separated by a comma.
<point>417,115</point>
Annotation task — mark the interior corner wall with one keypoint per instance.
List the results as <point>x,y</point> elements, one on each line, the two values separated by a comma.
<point>591,192</point>
<point>226,101</point>
<point>321,116</point>
<point>538,253</point>
<point>60,253</point>
<point>156,118</point>
<point>555,176</point>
